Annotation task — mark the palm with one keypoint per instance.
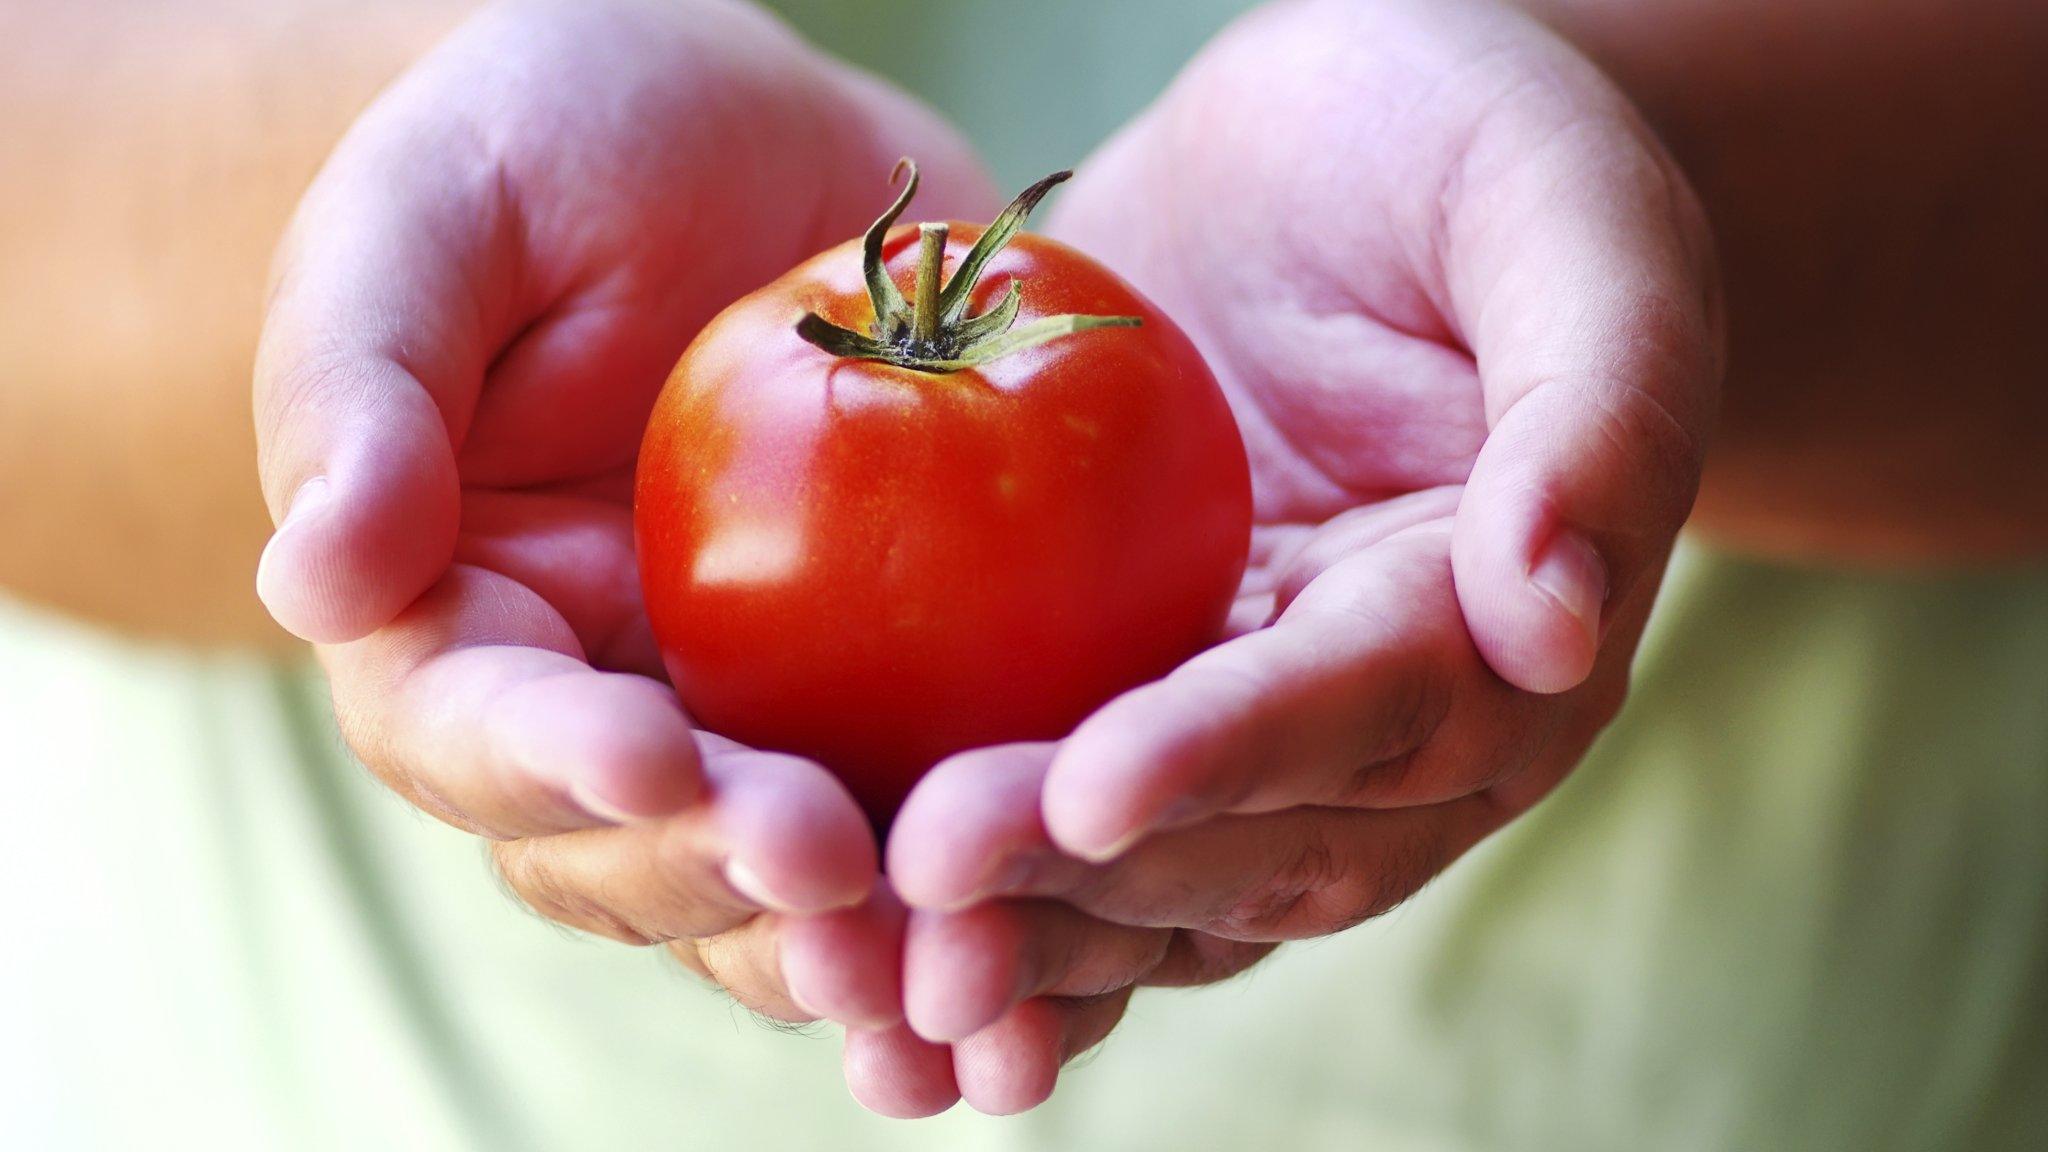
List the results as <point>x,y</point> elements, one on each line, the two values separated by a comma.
<point>1401,232</point>
<point>1349,379</point>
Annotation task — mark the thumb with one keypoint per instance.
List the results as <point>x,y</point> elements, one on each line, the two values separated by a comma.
<point>364,484</point>
<point>1593,314</point>
<point>387,294</point>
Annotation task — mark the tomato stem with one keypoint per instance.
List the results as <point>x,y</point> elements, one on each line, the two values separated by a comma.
<point>931,260</point>
<point>932,332</point>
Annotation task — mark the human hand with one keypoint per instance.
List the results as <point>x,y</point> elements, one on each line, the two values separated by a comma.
<point>1466,312</point>
<point>473,312</point>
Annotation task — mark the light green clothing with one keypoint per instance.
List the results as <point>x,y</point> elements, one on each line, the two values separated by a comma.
<point>1796,899</point>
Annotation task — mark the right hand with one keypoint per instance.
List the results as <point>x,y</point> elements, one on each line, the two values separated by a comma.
<point>473,311</point>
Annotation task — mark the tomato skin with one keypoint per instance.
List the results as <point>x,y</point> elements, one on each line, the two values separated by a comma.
<point>876,567</point>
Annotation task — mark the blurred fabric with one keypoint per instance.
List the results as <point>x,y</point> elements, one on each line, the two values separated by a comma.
<point>1797,898</point>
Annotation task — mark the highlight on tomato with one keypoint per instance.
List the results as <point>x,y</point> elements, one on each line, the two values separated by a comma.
<point>885,514</point>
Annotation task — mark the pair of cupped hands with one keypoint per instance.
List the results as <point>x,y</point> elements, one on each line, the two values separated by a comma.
<point>1463,306</point>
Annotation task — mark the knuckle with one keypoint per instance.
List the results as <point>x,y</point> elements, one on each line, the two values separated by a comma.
<point>1644,439</point>
<point>683,897</point>
<point>744,965</point>
<point>1277,907</point>
<point>681,872</point>
<point>1098,959</point>
<point>524,866</point>
<point>1409,710</point>
<point>298,391</point>
<point>1369,892</point>
<point>1327,886</point>
<point>1379,778</point>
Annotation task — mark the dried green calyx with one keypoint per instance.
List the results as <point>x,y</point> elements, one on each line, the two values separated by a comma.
<point>932,332</point>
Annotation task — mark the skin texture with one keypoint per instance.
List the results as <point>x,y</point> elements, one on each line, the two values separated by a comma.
<point>877,567</point>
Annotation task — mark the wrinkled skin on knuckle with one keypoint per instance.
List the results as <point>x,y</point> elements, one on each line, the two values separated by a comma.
<point>523,867</point>
<point>1071,961</point>
<point>1282,906</point>
<point>691,900</point>
<point>1335,878</point>
<point>1088,970</point>
<point>1627,432</point>
<point>1378,778</point>
<point>745,961</point>
<point>1639,421</point>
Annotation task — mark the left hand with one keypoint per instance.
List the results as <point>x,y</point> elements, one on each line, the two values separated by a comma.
<point>473,313</point>
<point>1465,309</point>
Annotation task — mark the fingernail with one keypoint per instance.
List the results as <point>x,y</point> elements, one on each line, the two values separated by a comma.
<point>1005,878</point>
<point>1570,572</point>
<point>748,883</point>
<point>1105,853</point>
<point>309,499</point>
<point>1183,811</point>
<point>596,805</point>
<point>796,997</point>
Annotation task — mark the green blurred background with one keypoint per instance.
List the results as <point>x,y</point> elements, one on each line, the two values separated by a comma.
<point>1035,85</point>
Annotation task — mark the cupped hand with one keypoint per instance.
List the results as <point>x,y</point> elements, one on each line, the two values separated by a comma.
<point>1465,309</point>
<point>473,312</point>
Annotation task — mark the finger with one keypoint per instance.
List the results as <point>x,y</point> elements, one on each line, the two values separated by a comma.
<point>685,952</point>
<point>575,550</point>
<point>1327,706</point>
<point>1267,877</point>
<point>475,704</point>
<point>1279,876</point>
<point>847,966</point>
<point>964,970</point>
<point>964,827</point>
<point>1278,549</point>
<point>1196,958</point>
<point>393,287</point>
<point>1013,1065</point>
<point>1581,272</point>
<point>746,962</point>
<point>776,833</point>
<point>895,1073</point>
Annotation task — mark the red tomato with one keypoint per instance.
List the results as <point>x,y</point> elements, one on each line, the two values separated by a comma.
<point>876,565</point>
